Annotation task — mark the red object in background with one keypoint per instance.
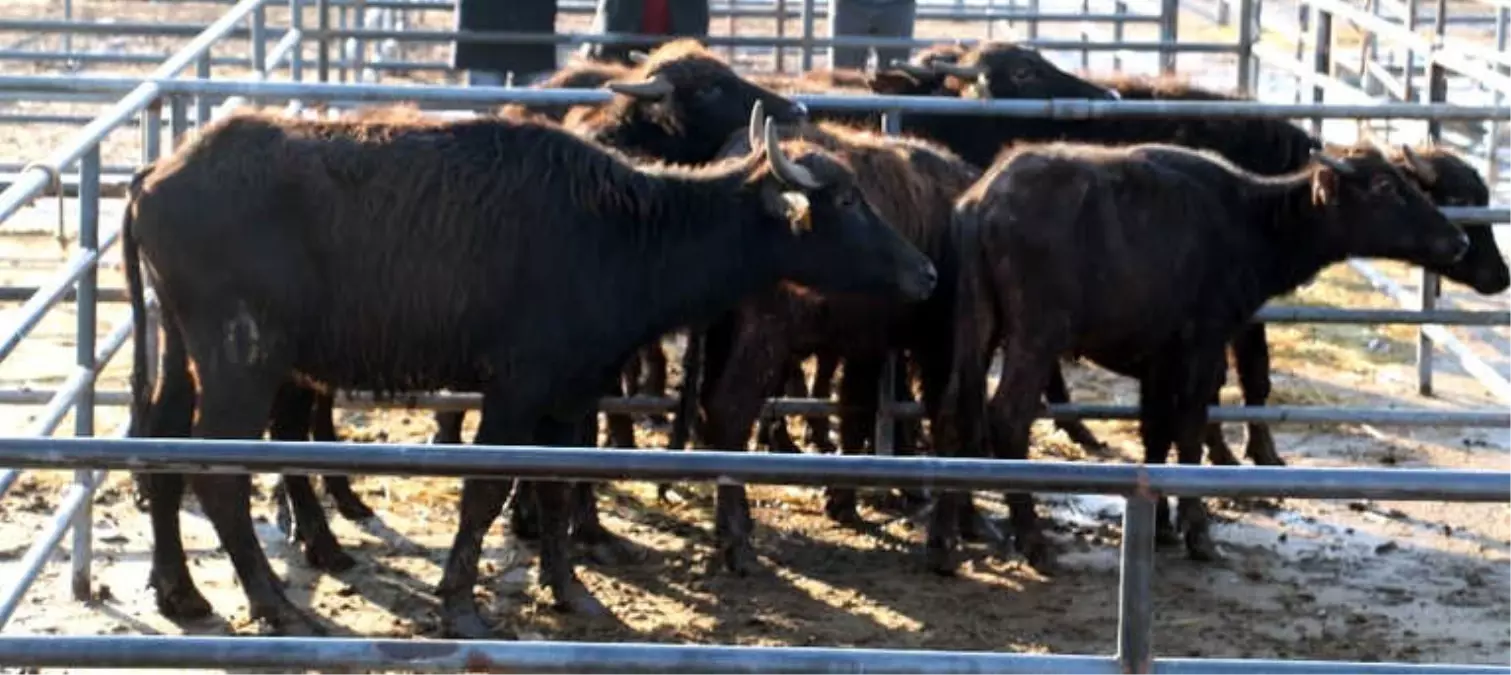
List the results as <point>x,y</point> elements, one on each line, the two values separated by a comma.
<point>656,19</point>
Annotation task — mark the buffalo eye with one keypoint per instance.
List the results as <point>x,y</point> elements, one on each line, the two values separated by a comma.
<point>1023,73</point>
<point>846,199</point>
<point>709,94</point>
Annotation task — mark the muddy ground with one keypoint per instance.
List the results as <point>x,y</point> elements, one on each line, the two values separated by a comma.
<point>1420,582</point>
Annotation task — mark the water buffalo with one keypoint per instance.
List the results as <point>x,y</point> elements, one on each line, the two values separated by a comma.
<point>1146,259</point>
<point>418,255</point>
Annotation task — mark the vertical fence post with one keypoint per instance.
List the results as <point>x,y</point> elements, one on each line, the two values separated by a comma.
<point>1492,153</point>
<point>1033,19</point>
<point>1432,285</point>
<point>1119,26</point>
<point>201,101</point>
<point>152,127</point>
<point>259,47</point>
<point>1322,58</point>
<point>178,121</point>
<point>322,44</point>
<point>1135,600</point>
<point>1248,26</point>
<point>343,58</point>
<point>296,55</point>
<point>83,410</point>
<point>1169,34</point>
<point>357,52</point>
<point>1303,23</point>
<point>780,53</point>
<point>885,443</point>
<point>805,57</point>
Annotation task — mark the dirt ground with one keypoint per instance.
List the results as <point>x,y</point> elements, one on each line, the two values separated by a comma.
<point>1355,580</point>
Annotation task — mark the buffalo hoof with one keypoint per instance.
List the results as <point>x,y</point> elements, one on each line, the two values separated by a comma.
<point>977,528</point>
<point>1165,534</point>
<point>1221,455</point>
<point>940,560</point>
<point>327,556</point>
<point>581,602</point>
<point>1037,550</point>
<point>181,602</point>
<point>738,559</point>
<point>351,508</point>
<point>1261,448</point>
<point>1200,547</point>
<point>841,508</point>
<point>609,549</point>
<point>285,619</point>
<point>1082,436</point>
<point>465,624</point>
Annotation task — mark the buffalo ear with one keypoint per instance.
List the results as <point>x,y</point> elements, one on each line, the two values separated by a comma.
<point>1324,186</point>
<point>790,206</point>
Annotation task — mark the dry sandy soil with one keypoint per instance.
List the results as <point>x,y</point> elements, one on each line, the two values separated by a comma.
<point>1366,580</point>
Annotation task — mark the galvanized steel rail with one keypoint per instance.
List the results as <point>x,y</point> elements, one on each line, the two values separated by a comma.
<point>1138,484</point>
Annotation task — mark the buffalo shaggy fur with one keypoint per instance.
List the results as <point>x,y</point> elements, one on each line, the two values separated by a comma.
<point>1145,259</point>
<point>428,255</point>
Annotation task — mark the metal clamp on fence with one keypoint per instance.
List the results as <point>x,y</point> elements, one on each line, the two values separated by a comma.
<point>55,183</point>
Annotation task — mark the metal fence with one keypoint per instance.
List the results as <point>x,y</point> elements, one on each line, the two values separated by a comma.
<point>164,101</point>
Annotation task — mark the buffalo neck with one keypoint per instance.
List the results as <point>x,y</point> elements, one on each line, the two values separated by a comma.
<point>1294,228</point>
<point>698,248</point>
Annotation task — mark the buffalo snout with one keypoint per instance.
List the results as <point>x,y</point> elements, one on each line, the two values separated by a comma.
<point>1450,249</point>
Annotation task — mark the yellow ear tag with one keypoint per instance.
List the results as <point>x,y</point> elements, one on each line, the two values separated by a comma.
<point>799,213</point>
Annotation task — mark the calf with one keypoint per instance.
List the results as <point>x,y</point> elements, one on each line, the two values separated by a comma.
<point>415,256</point>
<point>912,184</point>
<point>1146,259</point>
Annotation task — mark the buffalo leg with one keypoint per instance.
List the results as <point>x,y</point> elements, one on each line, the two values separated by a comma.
<point>622,427</point>
<point>858,392</point>
<point>1028,364</point>
<point>751,373</point>
<point>482,500</point>
<point>1181,387</point>
<point>826,367</point>
<point>1252,352</point>
<point>448,427</point>
<point>653,376</point>
<point>337,486</point>
<point>773,432</point>
<point>1217,446</point>
<point>1157,433</point>
<point>171,415</point>
<point>1058,392</point>
<point>236,402</point>
<point>292,408</point>
<point>552,503</point>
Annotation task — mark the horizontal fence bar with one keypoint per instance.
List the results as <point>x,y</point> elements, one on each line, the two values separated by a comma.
<point>604,464</point>
<point>137,97</point>
<point>497,656</point>
<point>1453,317</point>
<point>1054,108</point>
<point>512,657</point>
<point>646,405</point>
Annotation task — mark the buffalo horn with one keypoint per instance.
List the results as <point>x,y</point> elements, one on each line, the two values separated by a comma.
<point>1333,163</point>
<point>787,171</point>
<point>757,117</point>
<point>1424,169</point>
<point>638,57</point>
<point>947,68</point>
<point>910,68</point>
<point>657,87</point>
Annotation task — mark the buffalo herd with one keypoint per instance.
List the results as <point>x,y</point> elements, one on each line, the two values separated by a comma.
<point>538,256</point>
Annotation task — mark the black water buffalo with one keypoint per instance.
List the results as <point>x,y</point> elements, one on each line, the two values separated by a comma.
<point>1449,181</point>
<point>679,104</point>
<point>1264,146</point>
<point>414,256</point>
<point>1146,259</point>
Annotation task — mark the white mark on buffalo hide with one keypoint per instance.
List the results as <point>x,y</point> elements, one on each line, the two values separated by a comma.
<point>243,340</point>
